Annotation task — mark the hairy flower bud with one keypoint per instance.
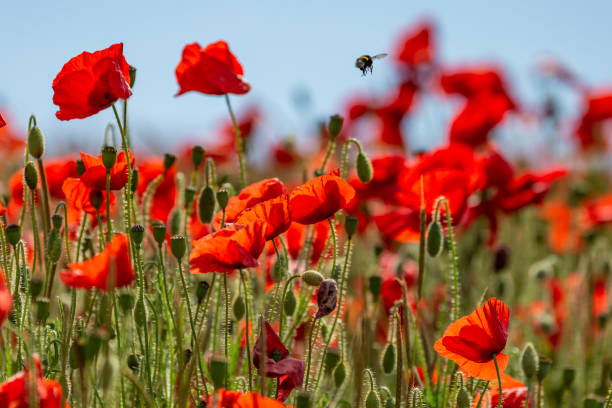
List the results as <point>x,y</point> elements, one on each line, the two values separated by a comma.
<point>463,399</point>
<point>434,239</point>
<point>202,290</point>
<point>206,205</point>
<point>290,303</point>
<point>529,361</point>
<point>364,168</point>
<point>389,358</point>
<point>36,142</point>
<point>159,232</point>
<point>335,125</point>
<point>339,374</point>
<point>312,277</point>
<point>140,313</point>
<point>350,225</point>
<point>239,308</point>
<point>372,400</point>
<point>12,233</point>
<point>222,198</point>
<point>31,175</point>
<point>56,221</point>
<point>332,358</point>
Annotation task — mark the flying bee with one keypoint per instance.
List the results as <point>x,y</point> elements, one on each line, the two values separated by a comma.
<point>365,62</point>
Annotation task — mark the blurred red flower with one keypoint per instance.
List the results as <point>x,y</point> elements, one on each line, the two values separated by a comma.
<point>165,195</point>
<point>89,83</point>
<point>296,240</point>
<point>597,109</point>
<point>273,213</point>
<point>213,70</point>
<point>57,171</point>
<point>96,272</point>
<point>320,198</point>
<point>415,47</point>
<point>399,224</point>
<point>236,399</point>
<point>514,393</point>
<point>78,196</point>
<point>10,138</point>
<point>6,300</point>
<point>95,172</point>
<point>230,248</point>
<point>473,340</point>
<point>2,122</point>
<point>14,392</point>
<point>248,197</point>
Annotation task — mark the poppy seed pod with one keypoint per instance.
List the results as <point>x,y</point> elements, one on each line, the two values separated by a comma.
<point>178,246</point>
<point>372,400</point>
<point>159,232</point>
<point>364,168</point>
<point>31,175</point>
<point>290,303</point>
<point>350,225</point>
<point>463,399</point>
<point>335,125</point>
<point>206,205</point>
<point>169,160</point>
<point>36,142</point>
<point>137,234</point>
<point>12,233</point>
<point>96,198</point>
<point>56,221</point>
<point>327,298</point>
<point>388,358</point>
<point>229,188</point>
<point>312,277</point>
<point>434,239</point>
<point>109,157</point>
<point>132,71</point>
<point>222,198</point>
<point>218,371</point>
<point>197,156</point>
<point>529,361</point>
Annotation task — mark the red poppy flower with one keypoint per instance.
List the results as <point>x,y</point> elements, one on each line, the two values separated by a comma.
<point>89,83</point>
<point>278,364</point>
<point>165,195</point>
<point>597,109</point>
<point>236,399</point>
<point>497,172</point>
<point>249,196</point>
<point>273,213</point>
<point>14,392</point>
<point>57,171</point>
<point>416,46</point>
<point>10,138</point>
<point>95,272</point>
<point>473,340</point>
<point>400,225</point>
<point>296,238</point>
<point>230,248</point>
<point>2,209</point>
<point>78,196</point>
<point>320,198</point>
<point>528,188</point>
<point>471,82</point>
<point>213,70</point>
<point>5,298</point>
<point>514,393</point>
<point>2,122</point>
<point>384,183</point>
<point>16,188</point>
<point>95,172</point>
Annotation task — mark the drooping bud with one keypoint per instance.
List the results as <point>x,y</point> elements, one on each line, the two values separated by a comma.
<point>109,157</point>
<point>312,277</point>
<point>178,246</point>
<point>54,246</point>
<point>218,371</point>
<point>202,290</point>
<point>529,360</point>
<point>169,160</point>
<point>335,125</point>
<point>388,358</point>
<point>327,297</point>
<point>434,239</point>
<point>463,399</point>
<point>339,374</point>
<point>31,175</point>
<point>206,205</point>
<point>375,285</point>
<point>290,303</point>
<point>239,308</point>
<point>96,198</point>
<point>137,234</point>
<point>197,156</point>
<point>159,232</point>
<point>372,400</point>
<point>364,168</point>
<point>350,225</point>
<point>12,233</point>
<point>36,142</point>
<point>132,72</point>
<point>222,198</point>
<point>56,221</point>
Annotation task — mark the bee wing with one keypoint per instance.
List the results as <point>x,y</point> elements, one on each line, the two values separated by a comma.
<point>379,56</point>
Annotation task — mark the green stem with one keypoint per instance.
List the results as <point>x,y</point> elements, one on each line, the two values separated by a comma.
<point>239,143</point>
<point>312,331</point>
<point>499,383</point>
<point>226,328</point>
<point>248,345</point>
<point>109,224</point>
<point>333,235</point>
<point>45,197</point>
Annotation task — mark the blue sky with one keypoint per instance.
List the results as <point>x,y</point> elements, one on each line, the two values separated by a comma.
<point>283,46</point>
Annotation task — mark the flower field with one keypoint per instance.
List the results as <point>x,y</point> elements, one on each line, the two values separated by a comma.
<point>351,271</point>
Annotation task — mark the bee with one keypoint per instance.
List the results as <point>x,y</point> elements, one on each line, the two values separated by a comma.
<point>365,62</point>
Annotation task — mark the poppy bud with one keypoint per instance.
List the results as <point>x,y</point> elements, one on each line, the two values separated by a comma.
<point>31,175</point>
<point>278,271</point>
<point>197,156</point>
<point>327,297</point>
<point>238,308</point>
<point>303,399</point>
<point>335,125</point>
<point>569,374</point>
<point>202,290</point>
<point>372,400</point>
<point>339,374</point>
<point>544,364</point>
<point>54,246</point>
<point>190,193</point>
<point>137,234</point>
<point>12,233</point>
<point>312,277</point>
<point>350,225</point>
<point>80,167</point>
<point>109,157</point>
<point>434,239</point>
<point>388,358</point>
<point>159,232</point>
<point>463,399</point>
<point>134,186</point>
<point>176,222</point>
<point>56,221</point>
<point>529,360</point>
<point>502,254</point>
<point>140,313</point>
<point>42,310</point>
<point>126,301</point>
<point>36,285</point>
<point>206,205</point>
<point>222,198</point>
<point>178,246</point>
<point>332,358</point>
<point>375,285</point>
<point>218,371</point>
<point>169,160</point>
<point>229,188</point>
<point>96,199</point>
<point>364,168</point>
<point>133,362</point>
<point>290,303</point>
<point>36,142</point>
